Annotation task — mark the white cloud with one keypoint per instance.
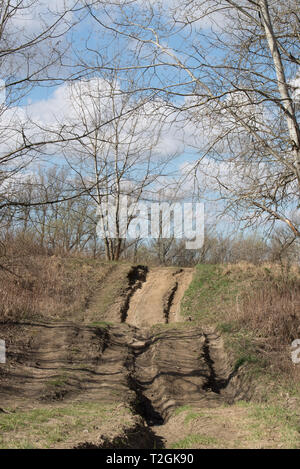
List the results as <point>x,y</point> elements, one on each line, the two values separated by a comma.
<point>91,102</point>
<point>33,16</point>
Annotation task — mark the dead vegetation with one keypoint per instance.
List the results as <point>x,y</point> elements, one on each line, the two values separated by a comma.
<point>257,308</point>
<point>272,313</point>
<point>154,370</point>
<point>48,287</point>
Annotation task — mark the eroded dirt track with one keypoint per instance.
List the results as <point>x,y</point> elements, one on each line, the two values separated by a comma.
<point>174,368</point>
<point>159,296</point>
<point>153,372</point>
<point>56,362</point>
<point>152,369</point>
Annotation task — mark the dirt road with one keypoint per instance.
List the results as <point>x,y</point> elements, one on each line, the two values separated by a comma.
<point>153,370</point>
<point>158,300</point>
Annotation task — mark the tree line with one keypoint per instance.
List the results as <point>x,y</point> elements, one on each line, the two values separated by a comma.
<point>147,83</point>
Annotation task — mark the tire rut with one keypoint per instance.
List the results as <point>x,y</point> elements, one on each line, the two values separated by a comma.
<point>153,370</point>
<point>156,299</point>
<point>136,277</point>
<point>176,368</point>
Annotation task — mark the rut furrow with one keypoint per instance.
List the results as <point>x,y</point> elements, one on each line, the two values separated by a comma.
<point>169,302</point>
<point>165,371</point>
<point>136,277</point>
<point>141,405</point>
<point>213,382</point>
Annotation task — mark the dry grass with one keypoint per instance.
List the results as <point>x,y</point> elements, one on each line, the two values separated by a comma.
<point>270,309</point>
<point>272,312</point>
<point>257,308</point>
<point>48,287</point>
<point>262,271</point>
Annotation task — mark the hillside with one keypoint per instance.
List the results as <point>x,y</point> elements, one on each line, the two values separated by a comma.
<point>129,356</point>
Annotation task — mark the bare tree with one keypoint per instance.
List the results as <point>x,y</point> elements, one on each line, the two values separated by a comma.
<point>33,53</point>
<point>115,160</point>
<point>55,228</point>
<point>228,69</point>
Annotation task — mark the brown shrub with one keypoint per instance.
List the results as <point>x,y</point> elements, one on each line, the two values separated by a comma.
<point>47,287</point>
<point>272,312</point>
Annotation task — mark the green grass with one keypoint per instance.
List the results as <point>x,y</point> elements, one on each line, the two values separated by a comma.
<point>47,426</point>
<point>192,441</point>
<point>281,420</point>
<point>208,293</point>
<point>181,409</point>
<point>242,345</point>
<point>102,324</point>
<point>227,327</point>
<point>241,425</point>
<point>58,381</point>
<point>192,416</point>
<point>191,413</point>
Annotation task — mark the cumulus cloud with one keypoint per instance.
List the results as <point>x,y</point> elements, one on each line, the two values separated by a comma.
<point>96,104</point>
<point>34,16</point>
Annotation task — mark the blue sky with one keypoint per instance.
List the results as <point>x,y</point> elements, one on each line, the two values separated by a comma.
<point>43,99</point>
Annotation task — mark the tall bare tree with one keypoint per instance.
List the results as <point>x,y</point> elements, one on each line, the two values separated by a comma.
<point>33,53</point>
<point>228,69</point>
<point>117,156</point>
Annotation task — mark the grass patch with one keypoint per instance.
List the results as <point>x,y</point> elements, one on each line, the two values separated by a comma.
<point>241,425</point>
<point>257,310</point>
<point>207,293</point>
<point>44,428</point>
<point>193,441</point>
<point>102,324</point>
<point>192,416</point>
<point>58,381</point>
<point>181,409</point>
<point>280,420</point>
